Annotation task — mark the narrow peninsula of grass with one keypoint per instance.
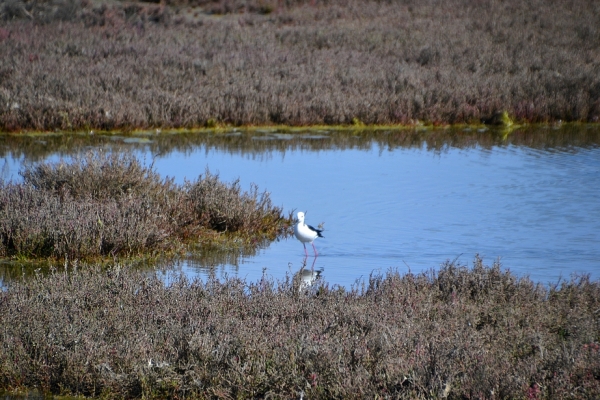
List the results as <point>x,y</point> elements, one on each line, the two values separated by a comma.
<point>102,205</point>
<point>459,333</point>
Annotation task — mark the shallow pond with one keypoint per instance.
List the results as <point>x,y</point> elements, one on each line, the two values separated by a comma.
<point>407,199</point>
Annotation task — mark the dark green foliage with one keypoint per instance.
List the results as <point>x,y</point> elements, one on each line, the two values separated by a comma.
<point>101,205</point>
<point>459,333</point>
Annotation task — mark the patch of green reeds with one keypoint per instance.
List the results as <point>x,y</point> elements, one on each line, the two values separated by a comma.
<point>458,333</point>
<point>110,204</point>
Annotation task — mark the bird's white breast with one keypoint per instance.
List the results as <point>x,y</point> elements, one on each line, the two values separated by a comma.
<point>304,233</point>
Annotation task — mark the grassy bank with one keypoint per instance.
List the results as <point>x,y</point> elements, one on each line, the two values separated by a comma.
<point>459,333</point>
<point>116,65</point>
<point>101,205</point>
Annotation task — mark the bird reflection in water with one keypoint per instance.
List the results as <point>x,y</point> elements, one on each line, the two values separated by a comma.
<point>309,276</point>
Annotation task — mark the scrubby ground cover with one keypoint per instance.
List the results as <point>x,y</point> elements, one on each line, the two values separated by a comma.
<point>101,205</point>
<point>117,65</point>
<point>458,333</point>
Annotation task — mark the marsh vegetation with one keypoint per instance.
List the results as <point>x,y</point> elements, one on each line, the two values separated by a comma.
<point>119,65</point>
<point>110,205</point>
<point>456,333</point>
<point>121,332</point>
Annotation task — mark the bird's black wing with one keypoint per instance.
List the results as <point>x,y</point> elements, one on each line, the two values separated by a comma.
<point>316,230</point>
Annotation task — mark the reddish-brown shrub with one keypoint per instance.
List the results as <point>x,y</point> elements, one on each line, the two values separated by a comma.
<point>122,66</point>
<point>110,204</point>
<point>457,333</point>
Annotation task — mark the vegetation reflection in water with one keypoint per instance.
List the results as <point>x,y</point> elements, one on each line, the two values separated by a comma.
<point>261,142</point>
<point>35,147</point>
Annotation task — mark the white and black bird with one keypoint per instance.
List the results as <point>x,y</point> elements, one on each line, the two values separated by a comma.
<point>306,233</point>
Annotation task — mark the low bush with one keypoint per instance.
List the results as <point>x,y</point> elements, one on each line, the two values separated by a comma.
<point>457,333</point>
<point>110,204</point>
<point>225,207</point>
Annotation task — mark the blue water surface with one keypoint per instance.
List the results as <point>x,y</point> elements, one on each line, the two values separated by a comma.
<point>412,209</point>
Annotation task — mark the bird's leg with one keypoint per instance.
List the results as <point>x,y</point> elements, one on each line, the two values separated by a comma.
<point>305,252</point>
<point>315,249</point>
